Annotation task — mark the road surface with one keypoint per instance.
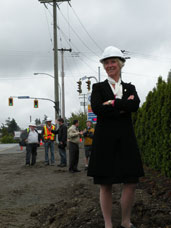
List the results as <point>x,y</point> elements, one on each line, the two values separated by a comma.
<point>11,148</point>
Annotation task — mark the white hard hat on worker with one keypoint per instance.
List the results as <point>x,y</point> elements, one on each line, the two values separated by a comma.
<point>112,52</point>
<point>32,124</point>
<point>48,119</point>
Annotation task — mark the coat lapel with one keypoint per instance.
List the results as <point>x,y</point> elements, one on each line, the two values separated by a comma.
<point>125,89</point>
<point>109,93</point>
<point>108,89</point>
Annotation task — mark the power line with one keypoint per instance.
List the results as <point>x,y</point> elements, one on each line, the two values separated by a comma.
<point>48,25</point>
<point>68,25</point>
<point>148,56</point>
<point>85,28</point>
<point>78,35</point>
<point>137,74</point>
<point>78,51</point>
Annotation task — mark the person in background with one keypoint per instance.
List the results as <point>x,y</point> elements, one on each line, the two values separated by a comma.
<point>74,140</point>
<point>62,138</point>
<point>88,139</point>
<point>115,156</point>
<point>49,138</point>
<point>32,139</point>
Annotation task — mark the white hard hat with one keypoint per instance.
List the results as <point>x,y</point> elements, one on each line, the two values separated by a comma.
<point>110,52</point>
<point>32,124</point>
<point>48,119</point>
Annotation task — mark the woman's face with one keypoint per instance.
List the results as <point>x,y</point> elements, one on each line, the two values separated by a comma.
<point>112,67</point>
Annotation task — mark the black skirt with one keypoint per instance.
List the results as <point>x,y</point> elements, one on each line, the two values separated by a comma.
<point>114,180</point>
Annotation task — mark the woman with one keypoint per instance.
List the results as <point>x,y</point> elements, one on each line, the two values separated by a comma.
<point>115,156</point>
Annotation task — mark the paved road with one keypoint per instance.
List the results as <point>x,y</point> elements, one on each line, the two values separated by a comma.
<point>12,148</point>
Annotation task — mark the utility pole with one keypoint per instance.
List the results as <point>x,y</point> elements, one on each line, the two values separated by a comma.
<point>84,103</point>
<point>55,45</point>
<point>55,49</point>
<point>62,76</point>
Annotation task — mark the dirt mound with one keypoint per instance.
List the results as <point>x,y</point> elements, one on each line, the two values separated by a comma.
<point>80,209</point>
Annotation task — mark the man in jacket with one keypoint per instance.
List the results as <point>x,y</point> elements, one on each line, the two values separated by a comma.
<point>31,137</point>
<point>62,138</point>
<point>88,139</point>
<point>74,140</point>
<point>49,138</point>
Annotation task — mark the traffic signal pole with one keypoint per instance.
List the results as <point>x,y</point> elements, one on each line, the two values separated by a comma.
<point>35,98</point>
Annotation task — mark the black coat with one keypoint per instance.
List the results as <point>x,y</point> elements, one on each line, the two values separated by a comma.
<point>62,135</point>
<point>115,152</point>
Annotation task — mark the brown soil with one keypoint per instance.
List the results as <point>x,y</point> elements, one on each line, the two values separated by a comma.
<point>51,197</point>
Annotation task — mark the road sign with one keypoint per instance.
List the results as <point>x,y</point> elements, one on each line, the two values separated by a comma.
<point>23,97</point>
<point>90,115</point>
<point>83,78</point>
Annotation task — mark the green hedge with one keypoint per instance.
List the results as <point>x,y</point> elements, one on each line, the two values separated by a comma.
<point>153,128</point>
<point>8,139</point>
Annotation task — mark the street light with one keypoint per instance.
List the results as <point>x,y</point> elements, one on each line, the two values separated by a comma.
<point>58,86</point>
<point>45,74</point>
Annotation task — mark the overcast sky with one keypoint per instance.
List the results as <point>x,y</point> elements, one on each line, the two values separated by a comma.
<point>141,28</point>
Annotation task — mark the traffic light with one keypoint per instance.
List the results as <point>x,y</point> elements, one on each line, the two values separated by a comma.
<point>10,101</point>
<point>36,104</point>
<point>79,86</point>
<point>88,85</point>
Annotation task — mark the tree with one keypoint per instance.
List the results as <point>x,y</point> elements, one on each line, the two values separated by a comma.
<point>12,126</point>
<point>81,117</point>
<point>169,77</point>
<point>7,131</point>
<point>37,121</point>
<point>153,126</point>
<point>4,130</point>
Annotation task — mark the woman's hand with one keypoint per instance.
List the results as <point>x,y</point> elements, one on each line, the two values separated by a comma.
<point>110,102</point>
<point>105,103</point>
<point>131,97</point>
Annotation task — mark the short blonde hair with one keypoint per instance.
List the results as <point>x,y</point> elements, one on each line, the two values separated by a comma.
<point>121,63</point>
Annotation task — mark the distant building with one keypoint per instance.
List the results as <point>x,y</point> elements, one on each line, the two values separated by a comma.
<point>17,134</point>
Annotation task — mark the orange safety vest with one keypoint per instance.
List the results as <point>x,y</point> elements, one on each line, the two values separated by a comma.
<point>48,134</point>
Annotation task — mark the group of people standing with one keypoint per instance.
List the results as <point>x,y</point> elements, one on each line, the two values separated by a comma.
<point>48,135</point>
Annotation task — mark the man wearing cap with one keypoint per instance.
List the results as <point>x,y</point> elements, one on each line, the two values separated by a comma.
<point>88,139</point>
<point>49,138</point>
<point>31,137</point>
<point>74,140</point>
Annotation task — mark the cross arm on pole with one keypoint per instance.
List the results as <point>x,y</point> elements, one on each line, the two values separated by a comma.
<point>51,1</point>
<point>86,77</point>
